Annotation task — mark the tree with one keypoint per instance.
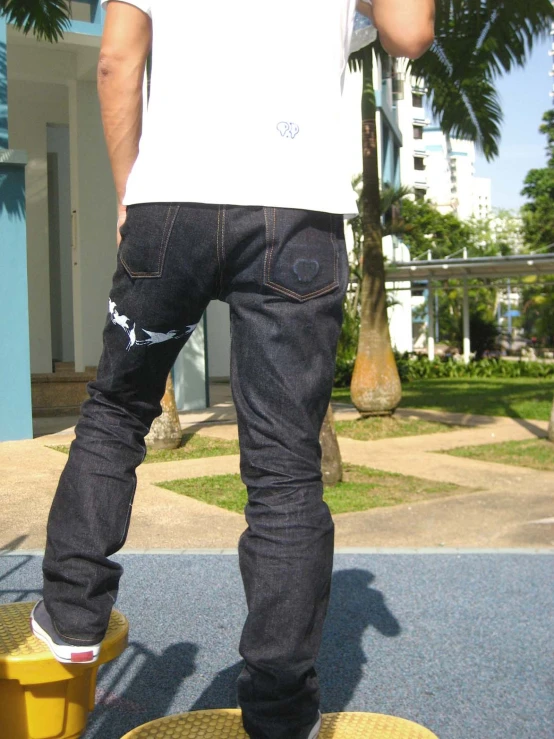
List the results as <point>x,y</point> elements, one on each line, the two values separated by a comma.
<point>476,40</point>
<point>538,212</point>
<point>538,312</point>
<point>375,387</point>
<point>46,19</point>
<point>538,230</point>
<point>424,228</point>
<point>166,432</point>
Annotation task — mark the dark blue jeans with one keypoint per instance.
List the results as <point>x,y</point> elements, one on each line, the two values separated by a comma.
<point>284,274</point>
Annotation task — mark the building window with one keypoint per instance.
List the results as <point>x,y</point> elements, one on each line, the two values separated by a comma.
<point>419,193</point>
<point>419,164</point>
<point>398,88</point>
<point>418,132</point>
<point>417,100</point>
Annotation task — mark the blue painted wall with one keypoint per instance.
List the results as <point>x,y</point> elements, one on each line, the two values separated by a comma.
<point>16,421</point>
<point>15,366</point>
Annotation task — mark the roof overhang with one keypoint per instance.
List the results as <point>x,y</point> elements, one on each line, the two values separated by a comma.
<point>516,265</point>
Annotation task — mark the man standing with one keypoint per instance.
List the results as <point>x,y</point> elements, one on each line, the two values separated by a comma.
<point>235,190</point>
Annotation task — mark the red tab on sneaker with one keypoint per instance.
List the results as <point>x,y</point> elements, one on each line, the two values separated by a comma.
<point>82,656</point>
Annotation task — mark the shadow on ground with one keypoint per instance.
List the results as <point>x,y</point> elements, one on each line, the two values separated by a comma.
<point>492,396</point>
<point>355,606</point>
<point>17,595</point>
<point>156,681</point>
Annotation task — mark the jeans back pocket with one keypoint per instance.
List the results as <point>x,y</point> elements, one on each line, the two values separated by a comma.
<point>301,260</point>
<point>146,234</point>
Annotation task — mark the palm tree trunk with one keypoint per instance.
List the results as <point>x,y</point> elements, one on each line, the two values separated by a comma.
<point>375,385</point>
<point>166,432</point>
<point>331,462</point>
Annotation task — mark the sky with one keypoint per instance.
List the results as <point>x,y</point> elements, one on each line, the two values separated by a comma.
<point>524,97</point>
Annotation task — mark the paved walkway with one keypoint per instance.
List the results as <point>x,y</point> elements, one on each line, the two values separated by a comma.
<point>511,506</point>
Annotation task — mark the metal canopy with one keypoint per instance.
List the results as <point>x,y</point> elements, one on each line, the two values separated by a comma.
<point>441,270</point>
<point>517,265</point>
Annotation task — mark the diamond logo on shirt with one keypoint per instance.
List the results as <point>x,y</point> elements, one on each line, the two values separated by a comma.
<point>288,130</point>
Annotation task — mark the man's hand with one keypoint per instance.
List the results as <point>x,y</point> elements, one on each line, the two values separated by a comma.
<point>126,43</point>
<point>406,27</point>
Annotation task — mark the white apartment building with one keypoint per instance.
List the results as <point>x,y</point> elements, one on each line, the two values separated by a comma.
<point>412,121</point>
<point>452,184</point>
<point>482,197</point>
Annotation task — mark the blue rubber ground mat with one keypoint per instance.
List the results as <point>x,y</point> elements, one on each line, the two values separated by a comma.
<point>459,642</point>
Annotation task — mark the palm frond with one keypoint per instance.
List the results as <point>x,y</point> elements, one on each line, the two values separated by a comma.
<point>46,19</point>
<point>393,196</point>
<point>475,41</point>
<point>467,108</point>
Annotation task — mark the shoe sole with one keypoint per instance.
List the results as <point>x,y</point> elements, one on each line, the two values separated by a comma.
<point>66,654</point>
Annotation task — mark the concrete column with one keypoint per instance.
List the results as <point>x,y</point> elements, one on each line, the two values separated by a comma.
<point>466,337</point>
<point>430,321</point>
<point>94,222</point>
<point>219,340</point>
<point>32,105</point>
<point>16,420</point>
<point>190,373</point>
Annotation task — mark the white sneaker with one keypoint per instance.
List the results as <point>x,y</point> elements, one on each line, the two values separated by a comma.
<point>43,628</point>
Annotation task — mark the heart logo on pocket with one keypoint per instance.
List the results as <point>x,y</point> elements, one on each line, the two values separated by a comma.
<point>306,269</point>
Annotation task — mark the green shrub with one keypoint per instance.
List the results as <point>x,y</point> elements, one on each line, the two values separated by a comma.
<point>412,367</point>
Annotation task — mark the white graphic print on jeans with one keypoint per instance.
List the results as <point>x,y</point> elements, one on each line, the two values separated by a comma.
<point>154,337</point>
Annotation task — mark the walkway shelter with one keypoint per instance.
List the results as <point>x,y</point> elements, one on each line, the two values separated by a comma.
<point>481,268</point>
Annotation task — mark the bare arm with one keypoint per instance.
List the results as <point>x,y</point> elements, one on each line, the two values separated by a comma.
<point>406,27</point>
<point>126,43</point>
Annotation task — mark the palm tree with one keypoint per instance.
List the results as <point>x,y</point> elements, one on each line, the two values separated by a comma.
<point>46,19</point>
<point>476,40</point>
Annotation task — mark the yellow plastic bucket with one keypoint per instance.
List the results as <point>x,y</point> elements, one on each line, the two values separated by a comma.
<point>40,698</point>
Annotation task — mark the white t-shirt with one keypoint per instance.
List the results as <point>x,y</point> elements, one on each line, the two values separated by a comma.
<point>245,104</point>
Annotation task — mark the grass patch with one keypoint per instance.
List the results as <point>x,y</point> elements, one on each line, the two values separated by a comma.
<point>372,429</point>
<point>535,453</point>
<point>515,397</point>
<point>193,446</point>
<point>362,489</point>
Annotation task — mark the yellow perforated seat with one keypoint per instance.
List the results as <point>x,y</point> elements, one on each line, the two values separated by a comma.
<point>227,724</point>
<point>39,697</point>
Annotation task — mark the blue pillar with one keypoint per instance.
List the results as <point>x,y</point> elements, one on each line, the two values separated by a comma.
<point>16,421</point>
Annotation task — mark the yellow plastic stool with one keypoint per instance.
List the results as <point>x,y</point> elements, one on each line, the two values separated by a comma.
<point>227,724</point>
<point>40,698</point>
